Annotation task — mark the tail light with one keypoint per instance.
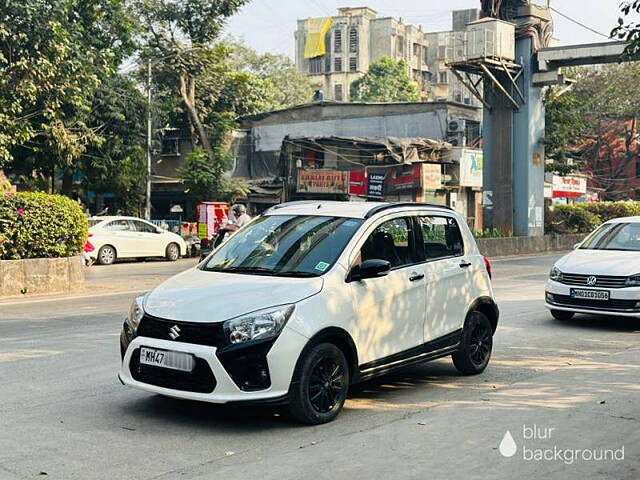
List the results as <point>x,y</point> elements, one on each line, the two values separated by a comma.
<point>487,265</point>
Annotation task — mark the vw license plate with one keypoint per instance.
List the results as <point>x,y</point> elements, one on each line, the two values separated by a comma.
<point>590,294</point>
<point>166,359</point>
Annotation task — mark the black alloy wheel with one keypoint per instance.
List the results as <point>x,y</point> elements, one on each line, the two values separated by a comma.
<point>476,345</point>
<point>320,384</point>
<point>326,384</point>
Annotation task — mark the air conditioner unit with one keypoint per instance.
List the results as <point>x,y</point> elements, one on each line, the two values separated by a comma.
<point>456,126</point>
<point>456,139</point>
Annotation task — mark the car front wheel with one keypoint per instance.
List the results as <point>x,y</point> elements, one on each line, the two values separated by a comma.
<point>476,345</point>
<point>320,384</point>
<point>172,252</point>
<point>562,314</point>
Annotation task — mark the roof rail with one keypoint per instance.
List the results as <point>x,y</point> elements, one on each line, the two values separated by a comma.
<point>288,204</point>
<point>388,206</point>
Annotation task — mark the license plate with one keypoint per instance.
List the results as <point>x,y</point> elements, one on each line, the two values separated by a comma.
<point>166,359</point>
<point>590,294</point>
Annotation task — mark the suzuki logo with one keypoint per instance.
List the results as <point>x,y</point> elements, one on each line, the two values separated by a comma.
<point>591,281</point>
<point>174,332</point>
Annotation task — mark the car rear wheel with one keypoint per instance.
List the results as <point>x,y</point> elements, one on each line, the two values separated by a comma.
<point>476,346</point>
<point>562,314</point>
<point>320,384</point>
<point>106,255</point>
<point>172,252</point>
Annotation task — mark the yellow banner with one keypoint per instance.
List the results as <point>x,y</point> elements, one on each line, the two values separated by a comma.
<point>317,29</point>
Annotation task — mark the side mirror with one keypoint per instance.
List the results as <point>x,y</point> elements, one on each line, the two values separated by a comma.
<point>370,269</point>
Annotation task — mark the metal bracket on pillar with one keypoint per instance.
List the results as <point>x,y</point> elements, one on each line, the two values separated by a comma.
<point>471,86</point>
<point>487,68</point>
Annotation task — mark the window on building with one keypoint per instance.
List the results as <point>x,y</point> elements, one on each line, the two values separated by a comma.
<point>315,65</point>
<point>337,41</point>
<point>337,92</point>
<point>353,40</point>
<point>353,64</point>
<point>457,97</point>
<point>337,64</point>
<point>443,77</point>
<point>400,45</point>
<point>416,50</point>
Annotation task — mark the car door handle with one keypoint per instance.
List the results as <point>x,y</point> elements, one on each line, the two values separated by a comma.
<point>415,277</point>
<point>465,264</point>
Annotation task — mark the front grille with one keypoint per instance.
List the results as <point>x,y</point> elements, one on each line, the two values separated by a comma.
<point>611,304</point>
<point>199,380</point>
<point>209,334</point>
<point>603,281</point>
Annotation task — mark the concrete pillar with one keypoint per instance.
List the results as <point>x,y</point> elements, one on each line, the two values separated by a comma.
<point>528,154</point>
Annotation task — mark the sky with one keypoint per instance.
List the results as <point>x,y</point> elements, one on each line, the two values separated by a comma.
<point>268,25</point>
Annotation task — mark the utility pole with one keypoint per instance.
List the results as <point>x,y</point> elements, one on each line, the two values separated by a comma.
<point>147,210</point>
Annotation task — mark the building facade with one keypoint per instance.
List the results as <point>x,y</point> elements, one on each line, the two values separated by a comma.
<point>335,51</point>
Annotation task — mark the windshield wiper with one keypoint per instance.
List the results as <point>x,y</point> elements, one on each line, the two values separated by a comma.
<point>296,273</point>
<point>256,270</point>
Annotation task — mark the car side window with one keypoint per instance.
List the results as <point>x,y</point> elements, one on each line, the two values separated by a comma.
<point>143,227</point>
<point>118,226</point>
<point>441,237</point>
<point>392,241</point>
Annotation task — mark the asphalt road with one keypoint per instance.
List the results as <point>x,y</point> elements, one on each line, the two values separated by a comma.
<point>64,413</point>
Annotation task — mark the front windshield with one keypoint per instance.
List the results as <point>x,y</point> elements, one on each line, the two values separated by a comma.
<point>614,236</point>
<point>285,245</point>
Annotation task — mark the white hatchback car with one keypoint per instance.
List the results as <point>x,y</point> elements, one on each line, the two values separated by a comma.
<point>131,237</point>
<point>601,276</point>
<point>309,298</point>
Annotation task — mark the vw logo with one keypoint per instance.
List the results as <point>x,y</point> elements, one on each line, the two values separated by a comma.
<point>174,332</point>
<point>591,281</point>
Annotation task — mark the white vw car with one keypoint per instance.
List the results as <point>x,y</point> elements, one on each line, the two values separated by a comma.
<point>130,237</point>
<point>310,298</point>
<point>601,276</point>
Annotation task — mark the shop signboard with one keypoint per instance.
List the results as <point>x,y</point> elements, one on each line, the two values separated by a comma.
<point>322,181</point>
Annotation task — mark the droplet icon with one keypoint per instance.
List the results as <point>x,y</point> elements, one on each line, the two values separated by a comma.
<point>507,446</point>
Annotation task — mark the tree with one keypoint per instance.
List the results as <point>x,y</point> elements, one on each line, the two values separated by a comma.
<point>180,34</point>
<point>118,164</point>
<point>288,87</point>
<point>53,56</point>
<point>563,123</point>
<point>629,30</point>
<point>385,81</point>
<point>605,137</point>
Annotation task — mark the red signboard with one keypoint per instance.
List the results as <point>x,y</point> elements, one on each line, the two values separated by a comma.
<point>357,183</point>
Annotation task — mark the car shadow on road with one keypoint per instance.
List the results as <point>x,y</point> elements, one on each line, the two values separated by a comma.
<point>597,322</point>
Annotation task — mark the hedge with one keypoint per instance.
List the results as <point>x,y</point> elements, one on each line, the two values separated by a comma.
<point>584,217</point>
<point>39,225</point>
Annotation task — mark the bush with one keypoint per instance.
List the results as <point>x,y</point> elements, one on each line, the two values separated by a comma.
<point>492,233</point>
<point>39,225</point>
<point>584,217</point>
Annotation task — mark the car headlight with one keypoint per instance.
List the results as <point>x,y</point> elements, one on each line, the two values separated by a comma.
<point>260,325</point>
<point>633,280</point>
<point>136,312</point>
<point>555,274</point>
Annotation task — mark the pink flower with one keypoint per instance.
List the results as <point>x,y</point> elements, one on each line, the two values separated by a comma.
<point>20,211</point>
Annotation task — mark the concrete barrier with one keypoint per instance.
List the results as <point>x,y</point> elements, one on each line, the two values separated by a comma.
<point>509,246</point>
<point>41,276</point>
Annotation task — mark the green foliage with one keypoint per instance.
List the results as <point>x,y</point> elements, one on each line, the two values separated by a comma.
<point>287,86</point>
<point>38,225</point>
<point>385,81</point>
<point>53,55</point>
<point>564,122</point>
<point>584,217</point>
<point>204,179</point>
<point>627,29</point>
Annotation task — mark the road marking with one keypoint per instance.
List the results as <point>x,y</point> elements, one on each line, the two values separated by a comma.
<point>26,354</point>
